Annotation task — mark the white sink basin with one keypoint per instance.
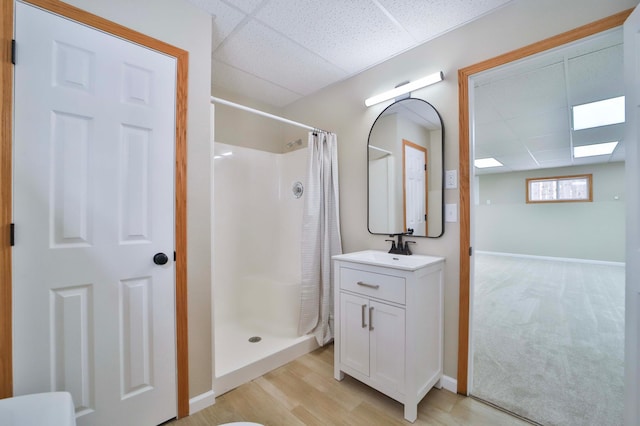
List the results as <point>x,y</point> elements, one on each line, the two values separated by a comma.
<point>397,261</point>
<point>41,409</point>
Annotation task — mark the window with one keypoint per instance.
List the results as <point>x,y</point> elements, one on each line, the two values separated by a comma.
<point>559,189</point>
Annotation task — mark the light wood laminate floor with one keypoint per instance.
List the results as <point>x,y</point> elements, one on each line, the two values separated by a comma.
<point>304,392</point>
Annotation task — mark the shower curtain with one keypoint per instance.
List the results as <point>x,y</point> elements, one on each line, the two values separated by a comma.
<point>320,237</point>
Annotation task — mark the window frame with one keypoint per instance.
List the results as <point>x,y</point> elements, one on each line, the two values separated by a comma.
<point>587,176</point>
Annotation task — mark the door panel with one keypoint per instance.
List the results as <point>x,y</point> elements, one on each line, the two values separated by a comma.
<point>415,187</point>
<point>93,203</point>
<point>387,366</point>
<point>354,332</point>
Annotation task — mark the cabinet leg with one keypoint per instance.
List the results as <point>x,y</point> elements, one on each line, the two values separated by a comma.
<point>438,384</point>
<point>338,375</point>
<point>411,412</point>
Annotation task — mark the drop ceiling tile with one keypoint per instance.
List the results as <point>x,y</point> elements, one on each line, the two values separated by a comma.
<point>610,133</point>
<point>247,6</point>
<point>493,134</point>
<point>226,19</point>
<point>352,35</point>
<point>287,64</point>
<point>484,109</point>
<point>539,124</point>
<point>517,162</point>
<point>546,156</point>
<point>596,76</point>
<point>501,149</point>
<point>548,141</point>
<point>419,19</point>
<point>250,86</point>
<point>530,92</point>
<point>556,163</point>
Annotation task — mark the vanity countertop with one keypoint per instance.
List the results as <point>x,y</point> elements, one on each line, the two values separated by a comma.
<point>384,259</point>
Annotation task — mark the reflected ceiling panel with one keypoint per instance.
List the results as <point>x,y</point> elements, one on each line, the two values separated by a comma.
<point>522,111</point>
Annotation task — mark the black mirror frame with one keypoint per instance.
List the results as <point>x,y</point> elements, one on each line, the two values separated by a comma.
<point>442,160</point>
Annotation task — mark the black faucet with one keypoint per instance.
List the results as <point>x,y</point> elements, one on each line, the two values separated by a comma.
<point>399,248</point>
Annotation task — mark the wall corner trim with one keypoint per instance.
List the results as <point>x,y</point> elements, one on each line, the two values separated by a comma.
<point>449,383</point>
<point>201,402</point>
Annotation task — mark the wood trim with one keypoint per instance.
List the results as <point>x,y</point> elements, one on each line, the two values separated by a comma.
<point>182,329</point>
<point>182,59</point>
<point>465,208</point>
<point>587,176</point>
<point>6,132</point>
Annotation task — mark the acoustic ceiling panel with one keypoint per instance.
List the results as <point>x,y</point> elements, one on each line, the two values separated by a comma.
<point>305,45</point>
<point>533,99</point>
<point>596,76</point>
<point>426,19</point>
<point>351,35</point>
<point>288,65</point>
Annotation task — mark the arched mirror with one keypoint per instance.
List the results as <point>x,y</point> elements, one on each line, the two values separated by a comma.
<point>405,170</point>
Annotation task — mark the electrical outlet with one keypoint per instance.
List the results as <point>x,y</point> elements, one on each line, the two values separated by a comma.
<point>450,212</point>
<point>451,179</point>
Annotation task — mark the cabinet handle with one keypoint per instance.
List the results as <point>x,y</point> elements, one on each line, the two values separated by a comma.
<point>364,307</point>
<point>368,285</point>
<point>371,318</point>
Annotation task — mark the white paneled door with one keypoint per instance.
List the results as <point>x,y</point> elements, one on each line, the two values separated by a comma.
<point>415,187</point>
<point>94,301</point>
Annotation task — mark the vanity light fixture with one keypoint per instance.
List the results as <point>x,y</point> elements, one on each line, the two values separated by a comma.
<point>483,163</point>
<point>595,149</point>
<point>405,88</point>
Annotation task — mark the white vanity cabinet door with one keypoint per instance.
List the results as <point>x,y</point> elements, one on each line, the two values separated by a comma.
<point>354,329</point>
<point>387,345</point>
<point>372,340</point>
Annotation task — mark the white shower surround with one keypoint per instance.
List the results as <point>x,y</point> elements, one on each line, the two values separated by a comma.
<point>256,275</point>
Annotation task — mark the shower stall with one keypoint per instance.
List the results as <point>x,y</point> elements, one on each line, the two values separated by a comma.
<point>258,206</point>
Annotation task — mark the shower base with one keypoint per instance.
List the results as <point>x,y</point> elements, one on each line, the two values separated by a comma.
<point>238,361</point>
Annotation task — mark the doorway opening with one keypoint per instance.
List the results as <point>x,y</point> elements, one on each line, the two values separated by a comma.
<point>548,278</point>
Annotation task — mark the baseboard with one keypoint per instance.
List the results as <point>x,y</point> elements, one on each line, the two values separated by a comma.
<point>201,402</point>
<point>449,383</point>
<point>558,259</point>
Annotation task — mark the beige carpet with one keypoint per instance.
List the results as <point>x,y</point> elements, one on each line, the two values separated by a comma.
<point>549,339</point>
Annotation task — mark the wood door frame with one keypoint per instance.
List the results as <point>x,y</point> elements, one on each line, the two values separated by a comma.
<point>6,185</point>
<point>422,149</point>
<point>464,74</point>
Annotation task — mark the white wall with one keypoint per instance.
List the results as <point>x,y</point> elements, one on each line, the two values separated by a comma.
<point>594,231</point>
<point>340,108</point>
<point>181,24</point>
<point>243,128</point>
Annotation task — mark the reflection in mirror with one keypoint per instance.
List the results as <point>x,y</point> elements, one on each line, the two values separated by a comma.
<point>405,170</point>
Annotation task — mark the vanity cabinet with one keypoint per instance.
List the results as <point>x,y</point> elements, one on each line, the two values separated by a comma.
<point>389,324</point>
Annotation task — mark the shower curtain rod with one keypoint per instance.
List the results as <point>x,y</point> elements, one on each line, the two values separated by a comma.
<point>264,114</point>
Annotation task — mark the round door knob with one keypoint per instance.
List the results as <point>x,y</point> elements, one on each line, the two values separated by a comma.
<point>160,259</point>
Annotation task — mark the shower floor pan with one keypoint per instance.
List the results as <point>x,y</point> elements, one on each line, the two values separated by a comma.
<point>238,360</point>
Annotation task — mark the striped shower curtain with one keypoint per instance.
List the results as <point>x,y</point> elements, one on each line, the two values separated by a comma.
<point>320,237</point>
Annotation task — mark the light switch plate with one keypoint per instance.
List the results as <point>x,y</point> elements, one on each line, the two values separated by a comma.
<point>451,179</point>
<point>450,212</point>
